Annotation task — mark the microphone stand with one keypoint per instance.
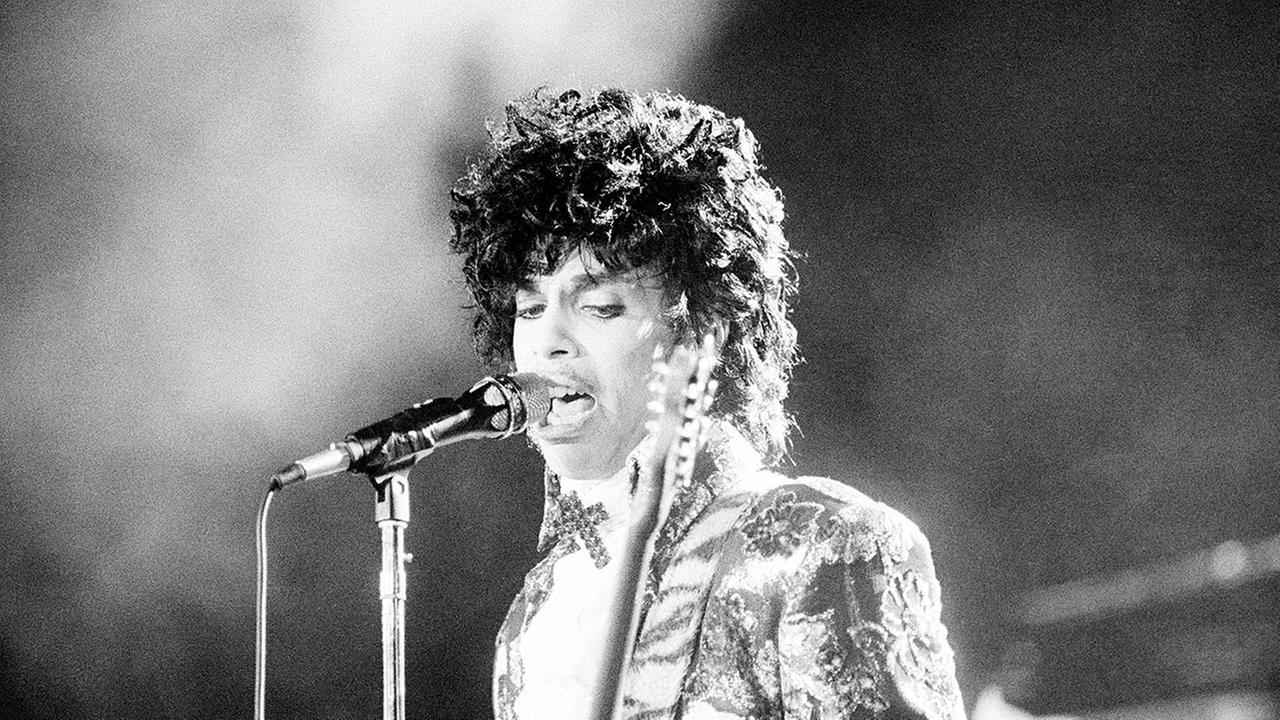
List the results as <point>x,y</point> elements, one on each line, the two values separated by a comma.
<point>400,441</point>
<point>391,510</point>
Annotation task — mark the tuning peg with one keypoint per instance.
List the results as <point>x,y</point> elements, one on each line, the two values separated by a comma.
<point>712,386</point>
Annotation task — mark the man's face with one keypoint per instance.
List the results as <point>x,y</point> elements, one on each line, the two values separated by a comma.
<point>593,335</point>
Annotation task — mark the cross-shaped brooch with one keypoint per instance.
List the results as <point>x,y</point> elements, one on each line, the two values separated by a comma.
<point>571,519</point>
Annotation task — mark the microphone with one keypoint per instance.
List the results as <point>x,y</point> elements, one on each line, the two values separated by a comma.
<point>496,407</point>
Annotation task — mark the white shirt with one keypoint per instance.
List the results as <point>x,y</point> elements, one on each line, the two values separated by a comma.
<point>564,644</point>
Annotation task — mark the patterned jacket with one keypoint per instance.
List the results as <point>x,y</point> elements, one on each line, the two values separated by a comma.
<point>772,598</point>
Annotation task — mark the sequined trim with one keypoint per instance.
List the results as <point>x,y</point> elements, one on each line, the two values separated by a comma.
<point>570,521</point>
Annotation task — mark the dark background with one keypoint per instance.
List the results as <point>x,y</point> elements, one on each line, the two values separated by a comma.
<point>1039,309</point>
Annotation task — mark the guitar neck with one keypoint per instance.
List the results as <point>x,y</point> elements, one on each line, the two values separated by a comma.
<point>636,560</point>
<point>686,394</point>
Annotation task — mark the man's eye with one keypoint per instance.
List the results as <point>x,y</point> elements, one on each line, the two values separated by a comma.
<point>605,311</point>
<point>529,312</point>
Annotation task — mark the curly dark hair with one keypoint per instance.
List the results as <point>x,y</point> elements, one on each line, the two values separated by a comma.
<point>639,181</point>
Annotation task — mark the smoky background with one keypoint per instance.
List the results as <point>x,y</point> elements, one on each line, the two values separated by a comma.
<point>1039,309</point>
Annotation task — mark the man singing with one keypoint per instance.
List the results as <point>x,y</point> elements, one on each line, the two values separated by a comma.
<point>600,231</point>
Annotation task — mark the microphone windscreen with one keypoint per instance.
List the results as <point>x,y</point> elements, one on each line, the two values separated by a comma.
<point>536,392</point>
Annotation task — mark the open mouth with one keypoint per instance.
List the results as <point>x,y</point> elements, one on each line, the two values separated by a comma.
<point>569,405</point>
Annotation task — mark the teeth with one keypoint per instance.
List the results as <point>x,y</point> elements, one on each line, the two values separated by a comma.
<point>559,391</point>
<point>565,411</point>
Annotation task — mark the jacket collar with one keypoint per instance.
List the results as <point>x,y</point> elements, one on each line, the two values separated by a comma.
<point>725,457</point>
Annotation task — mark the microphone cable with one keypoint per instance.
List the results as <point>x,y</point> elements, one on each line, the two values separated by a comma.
<point>260,642</point>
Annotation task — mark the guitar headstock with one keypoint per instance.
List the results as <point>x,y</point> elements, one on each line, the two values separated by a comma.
<point>682,391</point>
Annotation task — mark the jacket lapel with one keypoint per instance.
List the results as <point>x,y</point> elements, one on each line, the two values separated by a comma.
<point>684,567</point>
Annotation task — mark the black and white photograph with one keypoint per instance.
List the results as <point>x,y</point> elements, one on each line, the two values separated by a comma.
<point>640,360</point>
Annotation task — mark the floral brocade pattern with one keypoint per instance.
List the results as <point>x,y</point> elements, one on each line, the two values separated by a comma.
<point>772,599</point>
<point>826,609</point>
<point>781,527</point>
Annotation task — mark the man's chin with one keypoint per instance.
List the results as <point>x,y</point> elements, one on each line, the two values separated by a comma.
<point>578,460</point>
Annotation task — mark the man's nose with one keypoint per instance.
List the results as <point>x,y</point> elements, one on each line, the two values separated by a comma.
<point>556,334</point>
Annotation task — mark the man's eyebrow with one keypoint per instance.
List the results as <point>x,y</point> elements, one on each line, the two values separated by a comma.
<point>587,281</point>
<point>583,281</point>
